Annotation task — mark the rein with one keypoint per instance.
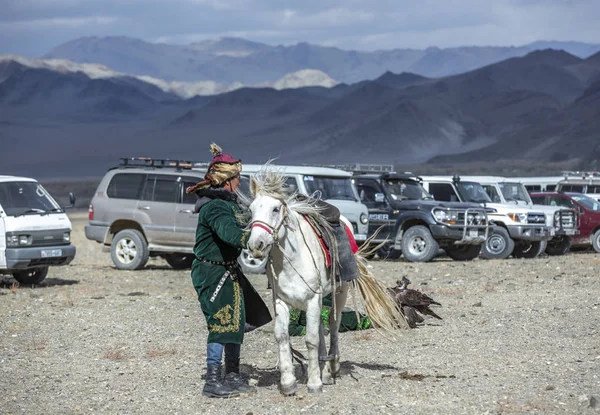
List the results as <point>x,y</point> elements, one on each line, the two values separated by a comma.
<point>272,230</point>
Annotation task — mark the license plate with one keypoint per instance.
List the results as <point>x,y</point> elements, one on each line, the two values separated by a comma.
<point>360,237</point>
<point>378,216</point>
<point>473,233</point>
<point>49,253</point>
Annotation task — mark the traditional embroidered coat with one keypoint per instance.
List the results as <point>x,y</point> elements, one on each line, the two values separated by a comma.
<point>219,241</point>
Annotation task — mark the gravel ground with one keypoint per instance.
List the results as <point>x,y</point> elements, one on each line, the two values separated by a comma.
<point>518,336</point>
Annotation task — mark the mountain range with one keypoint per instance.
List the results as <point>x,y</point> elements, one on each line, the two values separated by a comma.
<point>231,60</point>
<point>544,106</point>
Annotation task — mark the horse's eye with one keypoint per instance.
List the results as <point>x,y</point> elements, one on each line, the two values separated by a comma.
<point>276,209</point>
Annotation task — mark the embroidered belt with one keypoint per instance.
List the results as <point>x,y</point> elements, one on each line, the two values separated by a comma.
<point>223,263</point>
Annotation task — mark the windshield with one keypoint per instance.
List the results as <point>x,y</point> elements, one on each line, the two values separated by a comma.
<point>587,202</point>
<point>514,192</point>
<point>338,188</point>
<point>23,198</point>
<point>405,190</point>
<point>473,192</point>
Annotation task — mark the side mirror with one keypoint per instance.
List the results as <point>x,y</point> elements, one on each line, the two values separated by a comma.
<point>71,200</point>
<point>379,197</point>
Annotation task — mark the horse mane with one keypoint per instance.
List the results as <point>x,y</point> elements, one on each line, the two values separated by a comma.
<point>270,181</point>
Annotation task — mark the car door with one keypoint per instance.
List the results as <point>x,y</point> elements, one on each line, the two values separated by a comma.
<point>378,210</point>
<point>185,218</point>
<point>156,208</point>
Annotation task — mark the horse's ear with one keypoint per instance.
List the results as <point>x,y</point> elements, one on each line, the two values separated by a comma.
<point>253,186</point>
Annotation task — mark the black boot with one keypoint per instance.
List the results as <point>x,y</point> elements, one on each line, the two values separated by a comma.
<point>214,387</point>
<point>234,379</point>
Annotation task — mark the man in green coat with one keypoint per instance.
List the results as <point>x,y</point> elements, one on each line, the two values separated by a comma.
<point>228,300</point>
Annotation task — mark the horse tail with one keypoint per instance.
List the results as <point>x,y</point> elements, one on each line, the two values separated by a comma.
<point>380,306</point>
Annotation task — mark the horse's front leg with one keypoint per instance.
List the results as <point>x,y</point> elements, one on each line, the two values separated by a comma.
<point>334,326</point>
<point>313,317</point>
<point>287,383</point>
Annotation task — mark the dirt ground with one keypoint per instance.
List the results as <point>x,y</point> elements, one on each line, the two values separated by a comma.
<point>517,336</point>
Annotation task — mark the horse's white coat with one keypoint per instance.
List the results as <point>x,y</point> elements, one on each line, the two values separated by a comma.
<point>300,279</point>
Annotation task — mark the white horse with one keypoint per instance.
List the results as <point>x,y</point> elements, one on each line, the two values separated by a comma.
<point>300,278</point>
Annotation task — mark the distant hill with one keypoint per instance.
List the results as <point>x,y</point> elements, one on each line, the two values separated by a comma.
<point>230,60</point>
<point>544,106</point>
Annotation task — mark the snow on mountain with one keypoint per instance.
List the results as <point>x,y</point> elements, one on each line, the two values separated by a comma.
<point>299,79</point>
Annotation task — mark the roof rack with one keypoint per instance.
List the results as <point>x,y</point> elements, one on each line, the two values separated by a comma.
<point>132,162</point>
<point>581,174</point>
<point>359,167</point>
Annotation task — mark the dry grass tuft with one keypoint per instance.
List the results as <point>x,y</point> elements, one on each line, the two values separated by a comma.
<point>14,287</point>
<point>363,336</point>
<point>116,353</point>
<point>38,344</point>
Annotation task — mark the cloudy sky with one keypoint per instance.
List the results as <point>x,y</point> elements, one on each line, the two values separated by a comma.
<point>33,27</point>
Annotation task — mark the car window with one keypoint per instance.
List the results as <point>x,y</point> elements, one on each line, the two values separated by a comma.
<point>593,189</point>
<point>538,200</point>
<point>161,188</point>
<point>560,201</point>
<point>576,188</point>
<point>443,191</point>
<point>291,184</point>
<point>367,190</point>
<point>492,193</point>
<point>186,182</point>
<point>125,186</point>
<point>587,202</point>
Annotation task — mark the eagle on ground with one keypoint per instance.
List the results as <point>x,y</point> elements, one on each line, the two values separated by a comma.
<point>414,303</point>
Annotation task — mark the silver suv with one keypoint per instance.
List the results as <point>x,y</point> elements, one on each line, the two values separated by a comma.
<point>140,209</point>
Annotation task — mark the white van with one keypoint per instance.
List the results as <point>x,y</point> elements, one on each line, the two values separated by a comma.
<point>332,185</point>
<point>35,232</point>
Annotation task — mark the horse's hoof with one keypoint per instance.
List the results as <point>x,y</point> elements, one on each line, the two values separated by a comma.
<point>289,390</point>
<point>328,380</point>
<point>316,390</point>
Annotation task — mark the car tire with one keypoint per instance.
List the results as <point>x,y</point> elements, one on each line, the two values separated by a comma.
<point>180,261</point>
<point>251,265</point>
<point>30,276</point>
<point>596,241</point>
<point>463,252</point>
<point>558,246</point>
<point>418,245</point>
<point>498,245</point>
<point>529,250</point>
<point>388,252</point>
<point>129,250</point>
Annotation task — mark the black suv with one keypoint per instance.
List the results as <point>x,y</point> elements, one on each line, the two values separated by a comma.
<point>414,224</point>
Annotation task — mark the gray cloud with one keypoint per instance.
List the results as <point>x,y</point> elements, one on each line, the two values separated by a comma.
<point>32,27</point>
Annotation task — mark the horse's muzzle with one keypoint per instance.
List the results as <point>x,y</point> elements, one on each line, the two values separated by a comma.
<point>258,254</point>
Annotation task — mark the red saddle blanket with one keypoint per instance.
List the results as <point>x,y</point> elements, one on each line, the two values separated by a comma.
<point>353,244</point>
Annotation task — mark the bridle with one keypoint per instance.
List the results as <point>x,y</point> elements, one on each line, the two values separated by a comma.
<point>272,230</point>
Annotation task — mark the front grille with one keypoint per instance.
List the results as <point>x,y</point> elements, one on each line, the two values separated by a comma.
<point>536,218</point>
<point>565,219</point>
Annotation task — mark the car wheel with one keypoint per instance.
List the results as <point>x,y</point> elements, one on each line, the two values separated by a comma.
<point>388,252</point>
<point>596,241</point>
<point>180,261</point>
<point>251,265</point>
<point>418,245</point>
<point>498,245</point>
<point>558,246</point>
<point>129,250</point>
<point>529,249</point>
<point>463,252</point>
<point>30,276</point>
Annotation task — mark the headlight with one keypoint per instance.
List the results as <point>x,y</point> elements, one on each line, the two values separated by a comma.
<point>18,240</point>
<point>364,219</point>
<point>67,237</point>
<point>518,217</point>
<point>450,217</point>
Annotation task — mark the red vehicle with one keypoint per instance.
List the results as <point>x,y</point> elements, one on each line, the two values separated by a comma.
<point>589,214</point>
